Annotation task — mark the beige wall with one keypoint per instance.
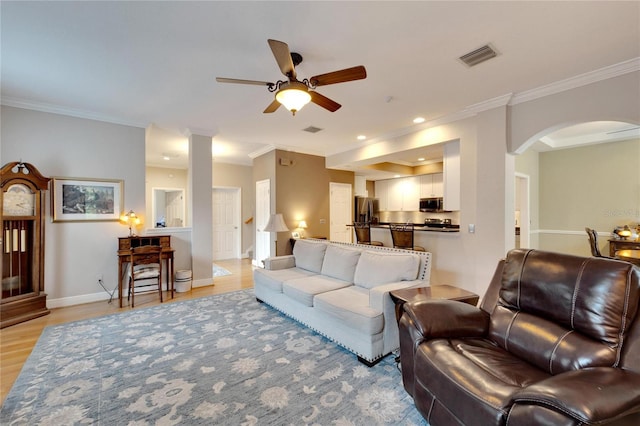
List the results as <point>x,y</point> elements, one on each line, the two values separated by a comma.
<point>302,193</point>
<point>236,176</point>
<point>597,186</point>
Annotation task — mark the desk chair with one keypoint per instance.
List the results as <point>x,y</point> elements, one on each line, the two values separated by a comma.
<point>402,236</point>
<point>145,270</point>
<point>363,234</point>
<point>593,242</point>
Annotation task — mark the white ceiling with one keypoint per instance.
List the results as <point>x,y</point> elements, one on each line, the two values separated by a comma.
<point>153,64</point>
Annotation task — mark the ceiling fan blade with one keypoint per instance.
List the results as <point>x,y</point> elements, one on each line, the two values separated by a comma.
<point>238,81</point>
<point>348,74</point>
<point>323,101</point>
<point>273,106</point>
<point>282,54</point>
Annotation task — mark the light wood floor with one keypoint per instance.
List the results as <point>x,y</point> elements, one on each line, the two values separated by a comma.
<point>17,341</point>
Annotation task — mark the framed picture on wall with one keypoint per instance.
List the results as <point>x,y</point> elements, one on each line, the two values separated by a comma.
<point>81,200</point>
<point>295,235</point>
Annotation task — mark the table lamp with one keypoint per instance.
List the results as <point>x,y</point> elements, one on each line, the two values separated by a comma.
<point>276,224</point>
<point>302,225</point>
<point>130,218</point>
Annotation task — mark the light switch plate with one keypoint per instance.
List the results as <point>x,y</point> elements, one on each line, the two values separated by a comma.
<point>472,228</point>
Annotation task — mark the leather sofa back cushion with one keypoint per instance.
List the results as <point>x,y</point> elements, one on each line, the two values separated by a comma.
<point>374,269</point>
<point>553,308</point>
<point>340,262</point>
<point>309,255</point>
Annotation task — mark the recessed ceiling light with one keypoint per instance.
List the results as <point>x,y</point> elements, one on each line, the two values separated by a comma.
<point>418,120</point>
<point>361,137</point>
<point>166,158</point>
<point>421,159</point>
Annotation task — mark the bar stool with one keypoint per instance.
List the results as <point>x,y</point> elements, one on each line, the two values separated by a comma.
<point>363,234</point>
<point>402,236</point>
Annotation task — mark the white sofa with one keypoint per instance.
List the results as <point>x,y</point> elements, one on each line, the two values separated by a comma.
<point>342,291</point>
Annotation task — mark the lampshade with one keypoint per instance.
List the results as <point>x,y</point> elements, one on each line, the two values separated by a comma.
<point>276,224</point>
<point>302,224</point>
<point>293,96</point>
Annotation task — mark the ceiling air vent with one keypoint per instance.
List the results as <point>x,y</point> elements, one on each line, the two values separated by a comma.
<point>312,129</point>
<point>479,55</point>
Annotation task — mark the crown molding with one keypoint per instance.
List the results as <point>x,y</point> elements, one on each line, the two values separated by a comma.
<point>71,112</point>
<point>262,151</point>
<point>632,65</point>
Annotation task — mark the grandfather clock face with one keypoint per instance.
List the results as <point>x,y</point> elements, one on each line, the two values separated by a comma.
<point>18,200</point>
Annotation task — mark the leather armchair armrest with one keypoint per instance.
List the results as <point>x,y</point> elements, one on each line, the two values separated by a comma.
<point>435,318</point>
<point>591,395</point>
<point>280,262</point>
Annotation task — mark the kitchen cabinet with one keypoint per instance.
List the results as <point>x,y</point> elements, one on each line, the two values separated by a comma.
<point>402,194</point>
<point>431,185</point>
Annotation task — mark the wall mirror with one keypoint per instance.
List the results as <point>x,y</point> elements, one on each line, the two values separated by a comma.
<point>168,207</point>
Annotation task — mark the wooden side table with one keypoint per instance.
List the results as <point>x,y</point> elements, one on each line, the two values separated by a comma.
<point>445,291</point>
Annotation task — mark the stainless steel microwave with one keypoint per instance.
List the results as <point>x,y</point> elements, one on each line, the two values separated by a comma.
<point>435,204</point>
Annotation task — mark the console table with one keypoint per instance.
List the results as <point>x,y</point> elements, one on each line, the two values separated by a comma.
<point>125,244</point>
<point>445,291</point>
<point>615,245</point>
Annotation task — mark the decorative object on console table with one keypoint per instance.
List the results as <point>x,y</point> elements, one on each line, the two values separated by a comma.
<point>79,199</point>
<point>444,291</point>
<point>22,198</point>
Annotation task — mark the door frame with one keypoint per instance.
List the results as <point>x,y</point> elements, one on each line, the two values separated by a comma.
<point>522,182</point>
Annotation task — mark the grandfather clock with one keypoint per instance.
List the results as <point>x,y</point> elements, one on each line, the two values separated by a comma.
<point>22,199</point>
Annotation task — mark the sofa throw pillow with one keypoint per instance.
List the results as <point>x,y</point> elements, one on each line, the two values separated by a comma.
<point>374,269</point>
<point>340,262</point>
<point>309,255</point>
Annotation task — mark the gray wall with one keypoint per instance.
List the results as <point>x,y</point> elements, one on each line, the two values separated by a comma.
<point>76,253</point>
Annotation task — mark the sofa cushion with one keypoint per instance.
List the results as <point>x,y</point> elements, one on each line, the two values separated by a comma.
<point>304,289</point>
<point>350,305</point>
<point>340,262</point>
<point>273,279</point>
<point>374,269</point>
<point>309,255</point>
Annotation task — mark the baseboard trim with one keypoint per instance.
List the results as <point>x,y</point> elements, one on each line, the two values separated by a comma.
<point>202,282</point>
<point>79,300</point>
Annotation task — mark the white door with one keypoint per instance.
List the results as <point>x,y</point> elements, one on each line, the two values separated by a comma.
<point>226,223</point>
<point>263,209</point>
<point>340,212</point>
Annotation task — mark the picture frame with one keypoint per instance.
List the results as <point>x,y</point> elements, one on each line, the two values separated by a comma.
<point>295,234</point>
<point>86,200</point>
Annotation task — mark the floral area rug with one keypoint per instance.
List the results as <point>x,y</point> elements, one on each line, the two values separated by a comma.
<point>219,271</point>
<point>223,359</point>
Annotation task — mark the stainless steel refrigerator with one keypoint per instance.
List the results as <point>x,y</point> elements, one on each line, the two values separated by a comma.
<point>366,210</point>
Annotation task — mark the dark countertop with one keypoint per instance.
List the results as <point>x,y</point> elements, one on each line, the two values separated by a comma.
<point>422,227</point>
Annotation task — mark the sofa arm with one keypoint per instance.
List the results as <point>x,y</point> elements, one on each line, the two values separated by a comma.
<point>591,395</point>
<point>435,318</point>
<point>279,262</point>
<point>380,300</point>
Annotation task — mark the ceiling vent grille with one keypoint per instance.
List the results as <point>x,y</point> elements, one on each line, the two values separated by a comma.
<point>312,129</point>
<point>479,55</point>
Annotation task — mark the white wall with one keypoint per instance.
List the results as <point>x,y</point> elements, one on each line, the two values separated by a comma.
<point>76,253</point>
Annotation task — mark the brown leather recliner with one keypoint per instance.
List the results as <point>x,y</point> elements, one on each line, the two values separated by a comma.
<point>555,341</point>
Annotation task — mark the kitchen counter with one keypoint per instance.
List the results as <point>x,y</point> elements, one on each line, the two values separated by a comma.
<point>421,227</point>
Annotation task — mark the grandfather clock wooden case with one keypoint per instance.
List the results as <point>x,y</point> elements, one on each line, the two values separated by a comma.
<point>22,199</point>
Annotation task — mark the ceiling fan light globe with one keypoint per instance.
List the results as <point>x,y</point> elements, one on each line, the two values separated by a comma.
<point>293,97</point>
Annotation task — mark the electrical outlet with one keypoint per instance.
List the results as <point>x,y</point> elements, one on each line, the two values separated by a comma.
<point>322,221</point>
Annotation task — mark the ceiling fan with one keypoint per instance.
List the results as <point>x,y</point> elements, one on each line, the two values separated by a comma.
<point>293,93</point>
